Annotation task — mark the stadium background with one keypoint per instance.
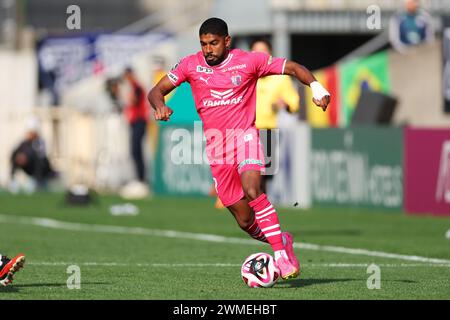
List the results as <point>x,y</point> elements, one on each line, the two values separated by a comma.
<point>328,161</point>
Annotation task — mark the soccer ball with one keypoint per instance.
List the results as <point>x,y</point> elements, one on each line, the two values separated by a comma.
<point>260,271</point>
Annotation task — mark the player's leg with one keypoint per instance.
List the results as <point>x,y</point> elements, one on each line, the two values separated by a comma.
<point>229,190</point>
<point>137,134</point>
<point>265,213</point>
<point>245,217</point>
<point>8,267</point>
<point>251,163</point>
<point>267,219</point>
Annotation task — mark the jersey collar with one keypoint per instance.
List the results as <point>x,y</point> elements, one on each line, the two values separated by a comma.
<point>222,64</point>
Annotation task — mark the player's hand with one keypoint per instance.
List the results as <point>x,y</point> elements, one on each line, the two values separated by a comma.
<point>321,97</point>
<point>323,103</point>
<point>163,114</point>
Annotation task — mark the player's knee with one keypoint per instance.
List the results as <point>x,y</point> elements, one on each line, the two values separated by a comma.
<point>251,193</point>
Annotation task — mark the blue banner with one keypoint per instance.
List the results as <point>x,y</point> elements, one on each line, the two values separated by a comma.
<point>65,60</point>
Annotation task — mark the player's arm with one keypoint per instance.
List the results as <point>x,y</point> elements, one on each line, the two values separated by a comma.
<point>156,98</point>
<point>321,97</point>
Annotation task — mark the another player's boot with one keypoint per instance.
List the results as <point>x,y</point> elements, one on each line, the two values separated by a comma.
<point>287,269</point>
<point>288,241</point>
<point>8,267</point>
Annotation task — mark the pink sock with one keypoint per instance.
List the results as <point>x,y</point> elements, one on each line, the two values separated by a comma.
<point>255,232</point>
<point>267,219</point>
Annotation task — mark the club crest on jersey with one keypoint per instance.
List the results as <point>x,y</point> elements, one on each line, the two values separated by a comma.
<point>236,79</point>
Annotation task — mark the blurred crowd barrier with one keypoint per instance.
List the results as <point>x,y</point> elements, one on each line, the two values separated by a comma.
<point>86,134</point>
<point>358,166</point>
<point>427,171</point>
<point>392,168</point>
<point>18,83</point>
<point>84,149</point>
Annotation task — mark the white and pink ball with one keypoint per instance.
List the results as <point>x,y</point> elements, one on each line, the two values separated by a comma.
<point>260,271</point>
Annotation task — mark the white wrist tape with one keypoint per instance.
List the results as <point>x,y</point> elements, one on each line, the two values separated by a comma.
<point>318,90</point>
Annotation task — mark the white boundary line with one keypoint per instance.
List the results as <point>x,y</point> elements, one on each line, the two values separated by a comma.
<point>73,226</point>
<point>151,265</point>
<point>226,265</point>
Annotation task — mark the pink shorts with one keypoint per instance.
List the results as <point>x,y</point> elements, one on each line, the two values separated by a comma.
<point>248,155</point>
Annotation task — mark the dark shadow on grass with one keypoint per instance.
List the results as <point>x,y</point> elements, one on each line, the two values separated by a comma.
<point>17,287</point>
<point>8,289</point>
<point>37,285</point>
<point>298,283</point>
<point>404,281</point>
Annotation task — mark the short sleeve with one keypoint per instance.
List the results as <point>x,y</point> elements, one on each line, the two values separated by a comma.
<point>266,65</point>
<point>178,74</point>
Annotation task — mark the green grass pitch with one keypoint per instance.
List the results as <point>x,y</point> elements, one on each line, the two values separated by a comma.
<point>140,259</point>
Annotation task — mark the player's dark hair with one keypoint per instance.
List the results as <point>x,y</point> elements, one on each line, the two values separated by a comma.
<point>263,40</point>
<point>214,26</point>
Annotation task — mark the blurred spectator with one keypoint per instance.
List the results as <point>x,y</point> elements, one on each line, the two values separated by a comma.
<point>159,70</point>
<point>47,87</point>
<point>275,94</point>
<point>410,27</point>
<point>137,113</point>
<point>112,88</point>
<point>30,157</point>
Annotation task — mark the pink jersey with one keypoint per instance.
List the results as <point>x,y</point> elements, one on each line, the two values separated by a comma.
<point>225,95</point>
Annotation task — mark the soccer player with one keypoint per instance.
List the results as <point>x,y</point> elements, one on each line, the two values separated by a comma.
<point>223,83</point>
<point>8,267</point>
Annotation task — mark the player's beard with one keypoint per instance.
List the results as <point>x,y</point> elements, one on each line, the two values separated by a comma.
<point>217,61</point>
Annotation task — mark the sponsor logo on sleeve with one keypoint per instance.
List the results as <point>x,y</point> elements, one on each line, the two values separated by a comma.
<point>172,77</point>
